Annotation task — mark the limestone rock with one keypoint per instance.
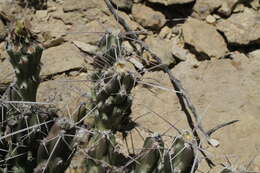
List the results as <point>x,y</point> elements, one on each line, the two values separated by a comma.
<point>60,59</point>
<point>242,28</point>
<point>148,17</point>
<point>204,8</point>
<point>170,2</point>
<point>162,48</point>
<point>204,39</point>
<point>210,19</point>
<point>65,92</point>
<point>227,6</point>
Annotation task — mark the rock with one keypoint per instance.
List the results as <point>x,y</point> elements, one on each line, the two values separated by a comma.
<point>203,8</point>
<point>6,71</point>
<point>2,30</point>
<point>132,24</point>
<point>227,6</point>
<point>54,27</point>
<point>74,5</point>
<point>61,58</point>
<point>210,19</point>
<point>147,17</point>
<point>94,14</point>
<point>179,52</point>
<point>88,48</point>
<point>255,54</point>
<point>93,31</point>
<point>255,4</point>
<point>123,4</point>
<point>127,46</point>
<point>204,39</point>
<point>53,42</point>
<point>41,14</point>
<point>162,48</point>
<point>67,93</point>
<point>242,28</point>
<point>165,32</point>
<point>171,2</point>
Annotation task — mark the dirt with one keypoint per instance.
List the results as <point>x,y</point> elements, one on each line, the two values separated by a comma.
<point>218,65</point>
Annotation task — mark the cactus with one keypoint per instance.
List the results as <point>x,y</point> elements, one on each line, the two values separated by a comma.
<point>111,99</point>
<point>55,151</point>
<point>150,157</point>
<point>36,4</point>
<point>33,139</point>
<point>113,83</point>
<point>25,54</point>
<point>180,158</point>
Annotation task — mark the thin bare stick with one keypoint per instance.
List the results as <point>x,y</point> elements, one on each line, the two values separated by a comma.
<point>211,131</point>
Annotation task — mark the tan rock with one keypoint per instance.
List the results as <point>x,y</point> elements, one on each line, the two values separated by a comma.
<point>41,14</point>
<point>204,38</point>
<point>204,8</point>
<point>2,30</point>
<point>148,17</point>
<point>242,28</point>
<point>210,19</point>
<point>60,59</point>
<point>162,48</point>
<point>227,7</point>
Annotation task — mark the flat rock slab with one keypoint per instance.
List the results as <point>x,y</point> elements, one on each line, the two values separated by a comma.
<point>65,92</point>
<point>61,58</point>
<point>204,39</point>
<point>242,28</point>
<point>147,17</point>
<point>170,2</point>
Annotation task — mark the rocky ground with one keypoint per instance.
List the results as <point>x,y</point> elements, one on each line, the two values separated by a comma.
<point>212,46</point>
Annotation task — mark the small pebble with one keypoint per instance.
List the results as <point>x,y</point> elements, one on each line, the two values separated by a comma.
<point>210,19</point>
